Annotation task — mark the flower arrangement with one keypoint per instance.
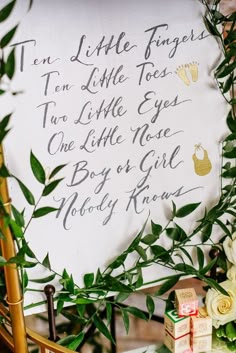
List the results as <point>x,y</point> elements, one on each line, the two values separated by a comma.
<point>221,307</point>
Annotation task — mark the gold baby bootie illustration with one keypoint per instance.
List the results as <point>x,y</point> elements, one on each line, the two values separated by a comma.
<point>193,68</point>
<point>202,166</point>
<point>181,72</point>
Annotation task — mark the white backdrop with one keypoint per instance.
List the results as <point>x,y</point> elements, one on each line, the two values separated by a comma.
<point>123,92</point>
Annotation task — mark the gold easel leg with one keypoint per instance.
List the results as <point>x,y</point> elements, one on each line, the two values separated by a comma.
<point>14,295</point>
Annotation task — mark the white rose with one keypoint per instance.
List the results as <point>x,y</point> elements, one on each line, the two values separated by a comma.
<point>229,246</point>
<point>222,308</point>
<point>231,273</point>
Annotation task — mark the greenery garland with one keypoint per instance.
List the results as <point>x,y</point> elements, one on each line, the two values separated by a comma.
<point>94,298</point>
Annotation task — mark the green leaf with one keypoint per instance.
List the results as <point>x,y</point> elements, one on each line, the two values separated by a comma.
<point>43,280</point>
<point>185,268</point>
<point>6,10</point>
<point>156,228</point>
<point>173,209</point>
<point>226,70</point>
<point>182,234</point>
<point>150,305</point>
<point>60,305</point>
<point>230,154</point>
<point>74,318</point>
<point>159,252</point>
<point>19,218</point>
<point>216,286</point>
<point>125,318</point>
<point>83,301</point>
<point>212,29</point>
<point>46,262</point>
<point>10,64</point>
<point>227,166</point>
<point>98,276</point>
<point>208,267</point>
<point>218,16</point>
<point>231,122</point>
<point>173,233</point>
<point>26,192</point>
<point>223,227</point>
<point>141,252</point>
<point>8,37</point>
<point>167,285</point>
<point>137,239</point>
<point>76,342</point>
<point>56,170</point>
<point>88,279</point>
<point>206,232</point>
<point>37,169</point>
<point>187,209</point>
<point>70,285</point>
<point>102,328</point>
<point>50,187</point>
<point>149,239</point>
<point>25,280</point>
<point>81,309</point>
<point>122,297</point>
<point>136,312</point>
<point>200,257</point>
<point>139,281</point>
<point>113,284</point>
<point>3,134</point>
<point>231,137</point>
<point>5,121</point>
<point>66,340</point>
<point>228,84</point>
<point>30,4</point>
<point>232,213</point>
<point>108,312</point>
<point>28,251</point>
<point>231,36</point>
<point>40,212</point>
<point>186,253</point>
<point>3,261</point>
<point>231,173</point>
<point>4,173</point>
<point>118,261</point>
<point>16,229</point>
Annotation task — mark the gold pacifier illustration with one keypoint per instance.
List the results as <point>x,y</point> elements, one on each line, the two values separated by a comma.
<point>188,72</point>
<point>202,163</point>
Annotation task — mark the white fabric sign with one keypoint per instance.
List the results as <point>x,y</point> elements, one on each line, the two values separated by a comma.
<point>123,92</point>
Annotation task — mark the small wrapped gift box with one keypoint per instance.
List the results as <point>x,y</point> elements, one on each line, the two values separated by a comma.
<point>186,302</point>
<point>179,345</point>
<point>175,325</point>
<point>201,325</point>
<point>201,343</point>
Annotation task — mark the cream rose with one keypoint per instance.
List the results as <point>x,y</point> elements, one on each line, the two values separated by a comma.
<point>229,246</point>
<point>231,273</point>
<point>222,308</point>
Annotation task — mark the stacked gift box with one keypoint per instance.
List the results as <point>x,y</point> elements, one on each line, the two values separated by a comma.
<point>188,328</point>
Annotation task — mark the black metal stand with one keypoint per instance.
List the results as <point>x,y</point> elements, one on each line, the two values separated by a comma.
<point>49,291</point>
